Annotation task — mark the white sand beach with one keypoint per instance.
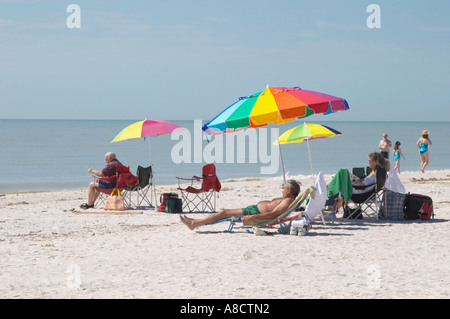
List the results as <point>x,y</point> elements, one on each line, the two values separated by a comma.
<point>47,251</point>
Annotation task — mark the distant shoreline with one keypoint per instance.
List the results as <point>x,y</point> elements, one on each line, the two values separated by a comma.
<point>443,172</point>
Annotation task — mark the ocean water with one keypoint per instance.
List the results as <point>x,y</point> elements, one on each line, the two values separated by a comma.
<point>40,155</point>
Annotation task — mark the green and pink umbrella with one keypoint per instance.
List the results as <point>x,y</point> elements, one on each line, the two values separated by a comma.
<point>306,132</point>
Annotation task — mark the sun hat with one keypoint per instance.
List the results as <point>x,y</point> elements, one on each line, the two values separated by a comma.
<point>425,132</point>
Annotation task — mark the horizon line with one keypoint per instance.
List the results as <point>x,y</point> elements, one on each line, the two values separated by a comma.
<point>336,120</point>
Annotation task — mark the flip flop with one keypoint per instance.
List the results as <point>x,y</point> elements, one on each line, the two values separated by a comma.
<point>86,206</point>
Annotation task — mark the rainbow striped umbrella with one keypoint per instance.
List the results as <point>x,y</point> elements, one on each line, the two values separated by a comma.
<point>274,105</point>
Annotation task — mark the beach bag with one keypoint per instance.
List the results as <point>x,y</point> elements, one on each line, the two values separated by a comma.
<point>163,198</point>
<point>173,204</point>
<point>393,205</point>
<point>418,206</point>
<point>114,202</point>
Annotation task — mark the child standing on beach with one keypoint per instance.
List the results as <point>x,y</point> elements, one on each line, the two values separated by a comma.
<point>397,152</point>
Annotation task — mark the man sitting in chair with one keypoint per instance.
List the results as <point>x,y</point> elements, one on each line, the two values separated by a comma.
<point>263,210</point>
<point>108,171</point>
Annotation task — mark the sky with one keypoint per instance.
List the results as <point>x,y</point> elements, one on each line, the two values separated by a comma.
<point>176,60</point>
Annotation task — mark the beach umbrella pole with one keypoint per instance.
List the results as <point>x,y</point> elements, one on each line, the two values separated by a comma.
<point>281,155</point>
<point>153,190</point>
<point>310,160</point>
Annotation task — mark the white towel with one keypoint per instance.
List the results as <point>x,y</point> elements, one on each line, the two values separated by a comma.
<point>317,203</point>
<point>393,182</point>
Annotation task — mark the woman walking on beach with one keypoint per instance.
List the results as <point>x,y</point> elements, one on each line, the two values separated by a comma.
<point>422,144</point>
<point>397,152</point>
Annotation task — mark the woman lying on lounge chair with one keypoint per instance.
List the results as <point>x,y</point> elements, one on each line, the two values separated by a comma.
<point>263,210</point>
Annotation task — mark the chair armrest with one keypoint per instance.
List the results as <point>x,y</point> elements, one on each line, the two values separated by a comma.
<point>185,179</point>
<point>106,178</point>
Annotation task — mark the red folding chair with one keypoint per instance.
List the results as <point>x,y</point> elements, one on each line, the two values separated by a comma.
<point>123,179</point>
<point>201,198</point>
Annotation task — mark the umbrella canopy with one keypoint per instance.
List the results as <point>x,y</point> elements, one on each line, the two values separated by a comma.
<point>146,128</point>
<point>274,105</point>
<point>306,132</point>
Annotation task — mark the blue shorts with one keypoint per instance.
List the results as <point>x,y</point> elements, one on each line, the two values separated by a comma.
<point>251,210</point>
<point>105,185</point>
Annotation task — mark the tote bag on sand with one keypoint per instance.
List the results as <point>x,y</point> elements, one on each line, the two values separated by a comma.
<point>114,202</point>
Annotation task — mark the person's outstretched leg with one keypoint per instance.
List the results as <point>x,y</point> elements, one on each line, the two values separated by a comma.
<point>223,214</point>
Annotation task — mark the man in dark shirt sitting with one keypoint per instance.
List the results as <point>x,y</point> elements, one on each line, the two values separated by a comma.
<point>108,171</point>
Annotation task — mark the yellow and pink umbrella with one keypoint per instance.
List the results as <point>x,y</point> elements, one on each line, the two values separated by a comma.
<point>145,129</point>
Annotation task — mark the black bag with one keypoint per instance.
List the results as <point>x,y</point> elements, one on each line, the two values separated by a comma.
<point>173,204</point>
<point>352,213</point>
<point>418,207</point>
<point>162,199</point>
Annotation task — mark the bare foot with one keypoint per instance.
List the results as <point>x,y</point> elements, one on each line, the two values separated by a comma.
<point>187,222</point>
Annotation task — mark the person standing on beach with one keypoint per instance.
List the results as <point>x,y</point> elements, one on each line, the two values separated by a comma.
<point>108,171</point>
<point>263,210</point>
<point>397,152</point>
<point>384,146</point>
<point>422,144</point>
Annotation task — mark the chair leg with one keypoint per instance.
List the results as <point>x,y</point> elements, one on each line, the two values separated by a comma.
<point>202,202</point>
<point>230,227</point>
<point>321,216</point>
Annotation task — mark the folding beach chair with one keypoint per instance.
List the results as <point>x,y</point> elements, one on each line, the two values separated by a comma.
<point>282,218</point>
<point>103,192</point>
<point>341,185</point>
<point>142,188</point>
<point>371,197</point>
<point>315,206</point>
<point>359,172</point>
<point>204,198</point>
<point>120,180</point>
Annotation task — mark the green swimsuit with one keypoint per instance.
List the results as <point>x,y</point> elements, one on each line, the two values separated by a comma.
<point>251,210</point>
